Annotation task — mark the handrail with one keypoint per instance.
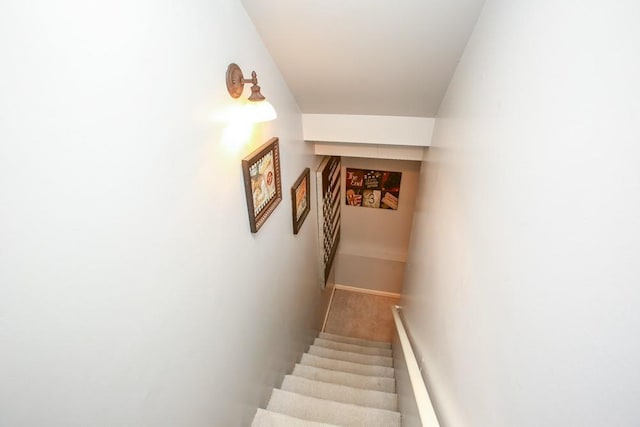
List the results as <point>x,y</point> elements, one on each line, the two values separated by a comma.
<point>423,401</point>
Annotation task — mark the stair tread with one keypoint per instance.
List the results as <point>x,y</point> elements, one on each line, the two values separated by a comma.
<point>340,393</point>
<point>348,356</point>
<point>328,411</point>
<point>367,382</point>
<point>341,365</point>
<point>354,348</point>
<point>264,418</point>
<point>352,340</point>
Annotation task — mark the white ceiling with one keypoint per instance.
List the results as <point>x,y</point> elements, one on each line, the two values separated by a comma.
<point>374,57</point>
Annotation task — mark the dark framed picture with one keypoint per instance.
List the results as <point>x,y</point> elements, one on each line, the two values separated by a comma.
<point>373,189</point>
<point>262,182</point>
<point>300,200</point>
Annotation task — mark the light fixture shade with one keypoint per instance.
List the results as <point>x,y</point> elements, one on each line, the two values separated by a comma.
<point>259,111</point>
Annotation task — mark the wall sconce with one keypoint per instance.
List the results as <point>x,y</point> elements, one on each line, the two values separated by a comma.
<point>258,109</point>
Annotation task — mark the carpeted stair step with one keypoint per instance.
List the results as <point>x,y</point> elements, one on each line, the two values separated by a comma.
<point>353,348</point>
<point>341,365</point>
<point>365,359</point>
<point>340,393</point>
<point>275,419</point>
<point>345,378</point>
<point>357,341</point>
<point>327,411</point>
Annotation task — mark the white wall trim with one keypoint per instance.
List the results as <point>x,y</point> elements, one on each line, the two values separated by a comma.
<point>326,314</point>
<point>426,411</point>
<point>356,129</point>
<point>365,291</point>
<point>371,151</point>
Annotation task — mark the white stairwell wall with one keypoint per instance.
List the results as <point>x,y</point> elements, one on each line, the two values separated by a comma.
<point>131,289</point>
<point>521,289</point>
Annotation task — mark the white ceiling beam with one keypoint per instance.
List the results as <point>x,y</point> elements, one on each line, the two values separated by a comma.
<point>356,129</point>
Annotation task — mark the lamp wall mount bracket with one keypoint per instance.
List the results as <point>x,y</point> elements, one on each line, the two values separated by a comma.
<point>236,81</point>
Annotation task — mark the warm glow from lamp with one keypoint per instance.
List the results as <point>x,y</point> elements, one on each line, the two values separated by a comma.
<point>236,135</point>
<point>257,109</point>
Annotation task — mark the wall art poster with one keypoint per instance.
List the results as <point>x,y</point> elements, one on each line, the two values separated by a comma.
<point>328,193</point>
<point>373,189</point>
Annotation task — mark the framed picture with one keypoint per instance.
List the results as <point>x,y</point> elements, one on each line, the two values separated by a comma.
<point>328,192</point>
<point>300,200</point>
<point>373,189</point>
<point>262,182</point>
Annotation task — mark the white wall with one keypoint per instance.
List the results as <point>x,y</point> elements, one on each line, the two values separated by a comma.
<point>132,292</point>
<point>376,274</point>
<point>522,285</point>
<point>374,242</point>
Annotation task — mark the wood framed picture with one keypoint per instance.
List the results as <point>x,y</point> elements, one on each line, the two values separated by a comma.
<point>262,182</point>
<point>328,192</point>
<point>300,199</point>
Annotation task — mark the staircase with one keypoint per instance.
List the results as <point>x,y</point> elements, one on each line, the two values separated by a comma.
<point>340,381</point>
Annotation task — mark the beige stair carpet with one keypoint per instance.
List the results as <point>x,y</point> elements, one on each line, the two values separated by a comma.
<point>266,418</point>
<point>340,393</point>
<point>329,411</point>
<point>361,315</point>
<point>345,378</point>
<point>340,381</point>
<point>354,348</point>
<point>341,365</point>
<point>348,356</point>
<point>357,341</point>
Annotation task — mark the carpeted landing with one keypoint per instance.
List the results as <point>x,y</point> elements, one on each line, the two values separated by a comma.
<point>340,381</point>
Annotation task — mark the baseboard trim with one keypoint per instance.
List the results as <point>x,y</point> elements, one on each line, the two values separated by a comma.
<point>364,291</point>
<point>326,314</point>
